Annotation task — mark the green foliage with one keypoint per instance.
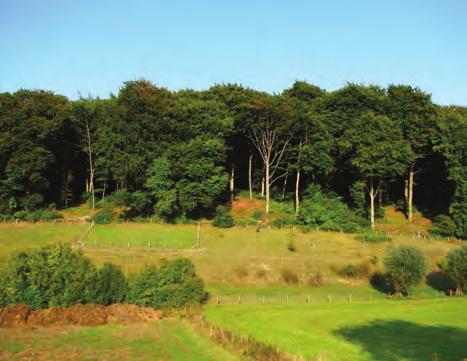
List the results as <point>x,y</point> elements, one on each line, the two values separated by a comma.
<point>222,218</point>
<point>111,285</point>
<point>405,267</point>
<point>455,266</point>
<point>374,237</point>
<point>291,246</point>
<point>444,225</point>
<point>289,276</point>
<point>50,276</point>
<point>327,212</point>
<point>174,284</point>
<point>44,215</point>
<point>103,216</point>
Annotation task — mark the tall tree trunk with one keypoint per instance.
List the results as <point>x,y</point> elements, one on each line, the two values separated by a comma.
<point>283,187</point>
<point>372,204</point>
<point>262,186</point>
<point>410,195</point>
<point>103,190</point>
<point>267,184</point>
<point>66,188</point>
<point>297,189</point>
<point>250,169</point>
<point>232,183</point>
<point>91,166</point>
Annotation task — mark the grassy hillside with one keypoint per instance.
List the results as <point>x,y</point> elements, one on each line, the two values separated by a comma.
<point>362,331</point>
<point>167,340</point>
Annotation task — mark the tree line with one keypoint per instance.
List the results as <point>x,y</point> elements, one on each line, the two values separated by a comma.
<point>182,153</point>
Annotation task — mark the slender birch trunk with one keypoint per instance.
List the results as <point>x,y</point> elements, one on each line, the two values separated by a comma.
<point>267,185</point>
<point>283,187</point>
<point>232,183</point>
<point>91,166</point>
<point>250,168</point>
<point>410,195</point>
<point>372,203</point>
<point>297,189</point>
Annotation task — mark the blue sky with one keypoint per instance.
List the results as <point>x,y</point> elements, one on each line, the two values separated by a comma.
<point>93,46</point>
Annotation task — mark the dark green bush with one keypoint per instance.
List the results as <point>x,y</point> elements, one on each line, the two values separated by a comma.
<point>349,270</point>
<point>326,211</point>
<point>222,218</point>
<point>111,285</point>
<point>374,237</point>
<point>405,267</point>
<point>455,267</point>
<point>49,276</point>
<point>289,276</point>
<point>103,216</point>
<point>174,284</point>
<point>291,246</point>
<point>444,226</point>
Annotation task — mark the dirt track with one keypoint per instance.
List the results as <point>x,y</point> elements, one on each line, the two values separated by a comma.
<point>81,315</point>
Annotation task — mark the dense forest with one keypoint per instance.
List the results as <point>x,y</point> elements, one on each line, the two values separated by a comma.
<point>182,153</point>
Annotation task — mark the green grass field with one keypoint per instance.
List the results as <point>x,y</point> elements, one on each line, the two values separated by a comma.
<point>239,258</point>
<point>415,330</point>
<point>165,340</point>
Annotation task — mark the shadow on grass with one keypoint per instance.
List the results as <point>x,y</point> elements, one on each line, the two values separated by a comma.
<point>440,281</point>
<point>380,283</point>
<point>400,340</point>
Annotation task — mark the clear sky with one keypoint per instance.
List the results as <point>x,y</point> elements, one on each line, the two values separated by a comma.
<point>92,46</point>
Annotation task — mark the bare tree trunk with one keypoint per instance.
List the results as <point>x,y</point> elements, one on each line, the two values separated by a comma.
<point>66,189</point>
<point>410,195</point>
<point>283,187</point>
<point>232,183</point>
<point>250,168</point>
<point>372,203</point>
<point>267,185</point>
<point>297,196</point>
<point>103,190</point>
<point>91,166</point>
<point>262,186</point>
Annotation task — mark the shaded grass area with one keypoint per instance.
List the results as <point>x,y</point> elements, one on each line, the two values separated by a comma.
<point>363,331</point>
<point>164,340</point>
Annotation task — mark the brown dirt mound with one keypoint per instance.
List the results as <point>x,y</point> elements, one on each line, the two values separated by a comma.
<point>14,316</point>
<point>78,315</point>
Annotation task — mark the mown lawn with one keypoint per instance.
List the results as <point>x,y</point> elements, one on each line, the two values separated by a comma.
<point>415,330</point>
<point>165,340</point>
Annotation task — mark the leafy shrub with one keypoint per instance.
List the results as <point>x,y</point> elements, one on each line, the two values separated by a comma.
<point>455,266</point>
<point>49,276</point>
<point>257,215</point>
<point>444,226</point>
<point>361,270</point>
<point>289,276</point>
<point>241,271</point>
<point>222,219</point>
<point>291,246</point>
<point>405,267</point>
<point>44,215</point>
<point>349,270</point>
<point>103,216</point>
<point>283,222</point>
<point>111,285</point>
<point>174,284</point>
<point>326,211</point>
<point>374,237</point>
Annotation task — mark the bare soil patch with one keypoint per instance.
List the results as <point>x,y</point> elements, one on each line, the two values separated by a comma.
<point>77,315</point>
